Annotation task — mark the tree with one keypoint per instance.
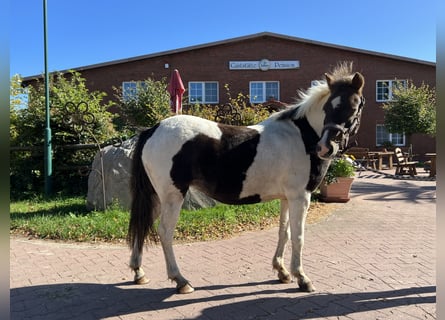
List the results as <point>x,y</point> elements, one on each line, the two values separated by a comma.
<point>28,124</point>
<point>65,90</point>
<point>413,110</point>
<point>18,99</point>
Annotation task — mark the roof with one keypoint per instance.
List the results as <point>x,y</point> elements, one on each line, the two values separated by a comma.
<point>241,39</point>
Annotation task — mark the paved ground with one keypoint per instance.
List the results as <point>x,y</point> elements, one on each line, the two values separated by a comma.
<point>374,258</point>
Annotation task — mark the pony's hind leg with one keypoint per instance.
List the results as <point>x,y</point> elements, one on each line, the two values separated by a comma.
<point>137,248</point>
<point>135,265</point>
<point>283,237</point>
<point>170,210</point>
<point>136,258</point>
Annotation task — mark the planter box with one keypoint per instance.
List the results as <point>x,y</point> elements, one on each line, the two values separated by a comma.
<point>337,191</point>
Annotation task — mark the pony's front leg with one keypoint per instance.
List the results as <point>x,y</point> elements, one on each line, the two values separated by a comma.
<point>170,210</point>
<point>297,217</point>
<point>283,237</point>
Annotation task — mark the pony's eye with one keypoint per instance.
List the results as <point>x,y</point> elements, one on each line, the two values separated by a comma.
<point>355,101</point>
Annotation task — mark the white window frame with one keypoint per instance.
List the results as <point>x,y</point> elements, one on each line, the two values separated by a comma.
<point>391,85</point>
<point>253,99</point>
<point>130,93</point>
<point>202,84</point>
<point>389,137</point>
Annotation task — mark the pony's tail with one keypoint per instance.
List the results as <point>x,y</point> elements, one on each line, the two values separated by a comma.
<point>145,200</point>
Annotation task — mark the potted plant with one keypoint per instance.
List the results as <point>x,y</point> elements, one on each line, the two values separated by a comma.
<point>337,182</point>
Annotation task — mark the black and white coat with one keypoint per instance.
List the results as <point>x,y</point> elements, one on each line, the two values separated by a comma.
<point>284,157</point>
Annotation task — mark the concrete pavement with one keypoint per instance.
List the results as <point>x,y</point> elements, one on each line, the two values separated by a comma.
<point>373,258</point>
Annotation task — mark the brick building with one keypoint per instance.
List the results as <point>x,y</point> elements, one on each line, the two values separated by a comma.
<point>268,65</point>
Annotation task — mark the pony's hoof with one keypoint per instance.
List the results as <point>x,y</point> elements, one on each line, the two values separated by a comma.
<point>306,286</point>
<point>284,278</point>
<point>141,280</point>
<point>187,288</point>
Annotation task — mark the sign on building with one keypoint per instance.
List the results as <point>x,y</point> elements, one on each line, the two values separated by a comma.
<point>264,65</point>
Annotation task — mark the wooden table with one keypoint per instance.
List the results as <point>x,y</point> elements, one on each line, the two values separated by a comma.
<point>380,155</point>
<point>432,156</point>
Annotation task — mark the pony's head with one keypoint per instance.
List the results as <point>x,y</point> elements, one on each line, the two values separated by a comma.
<point>343,110</point>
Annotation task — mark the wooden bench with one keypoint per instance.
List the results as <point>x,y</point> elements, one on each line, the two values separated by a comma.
<point>403,166</point>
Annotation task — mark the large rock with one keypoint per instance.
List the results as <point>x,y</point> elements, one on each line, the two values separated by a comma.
<point>117,170</point>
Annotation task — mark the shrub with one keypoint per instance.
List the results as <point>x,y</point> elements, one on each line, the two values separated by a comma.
<point>201,110</point>
<point>28,127</point>
<point>149,105</point>
<point>339,167</point>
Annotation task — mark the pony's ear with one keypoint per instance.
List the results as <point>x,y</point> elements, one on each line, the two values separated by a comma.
<point>358,81</point>
<point>329,79</point>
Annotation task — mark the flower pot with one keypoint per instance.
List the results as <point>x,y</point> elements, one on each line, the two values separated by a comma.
<point>336,191</point>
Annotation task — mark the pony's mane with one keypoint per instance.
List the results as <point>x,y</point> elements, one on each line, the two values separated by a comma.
<point>317,94</point>
<point>342,72</point>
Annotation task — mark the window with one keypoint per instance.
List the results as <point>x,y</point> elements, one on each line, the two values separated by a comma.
<point>382,136</point>
<point>384,89</point>
<point>130,89</point>
<point>262,91</point>
<point>203,92</point>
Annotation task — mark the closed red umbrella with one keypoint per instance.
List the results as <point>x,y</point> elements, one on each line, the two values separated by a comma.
<point>176,90</point>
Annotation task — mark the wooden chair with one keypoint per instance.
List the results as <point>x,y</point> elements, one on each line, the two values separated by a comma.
<point>403,166</point>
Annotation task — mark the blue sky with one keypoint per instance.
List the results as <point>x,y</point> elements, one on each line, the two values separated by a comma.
<point>85,32</point>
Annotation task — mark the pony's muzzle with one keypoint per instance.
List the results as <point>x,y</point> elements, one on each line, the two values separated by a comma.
<point>328,145</point>
<point>326,152</point>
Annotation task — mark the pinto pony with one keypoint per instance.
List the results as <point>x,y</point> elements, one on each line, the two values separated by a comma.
<point>284,157</point>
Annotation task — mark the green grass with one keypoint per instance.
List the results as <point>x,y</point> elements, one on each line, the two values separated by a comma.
<point>224,220</point>
<point>67,219</point>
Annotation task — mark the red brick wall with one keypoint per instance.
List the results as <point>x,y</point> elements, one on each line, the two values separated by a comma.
<point>211,63</point>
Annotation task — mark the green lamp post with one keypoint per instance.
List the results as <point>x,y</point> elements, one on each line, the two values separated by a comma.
<point>47,147</point>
